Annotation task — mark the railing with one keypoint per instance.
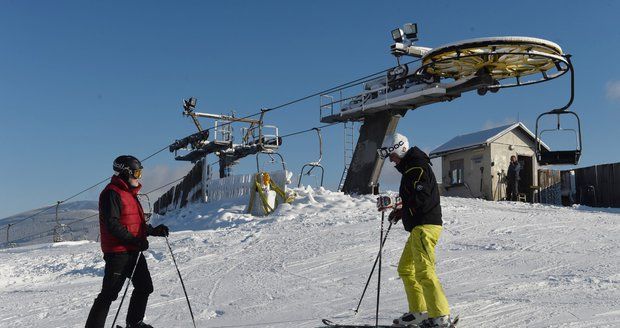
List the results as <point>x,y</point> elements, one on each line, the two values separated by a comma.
<point>349,97</point>
<point>266,135</point>
<point>223,133</point>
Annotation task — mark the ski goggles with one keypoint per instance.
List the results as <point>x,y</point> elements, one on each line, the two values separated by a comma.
<point>136,174</point>
<point>384,152</point>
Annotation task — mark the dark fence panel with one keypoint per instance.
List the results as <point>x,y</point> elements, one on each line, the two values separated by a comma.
<point>604,184</point>
<point>550,191</point>
<point>615,201</point>
<point>188,190</point>
<point>598,186</point>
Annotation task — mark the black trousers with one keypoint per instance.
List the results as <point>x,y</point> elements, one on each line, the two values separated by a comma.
<point>512,190</point>
<point>118,267</point>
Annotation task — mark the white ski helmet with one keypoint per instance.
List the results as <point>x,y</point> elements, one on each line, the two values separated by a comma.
<point>395,143</point>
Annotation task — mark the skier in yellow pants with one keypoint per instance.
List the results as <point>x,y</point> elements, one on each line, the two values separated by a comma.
<point>421,216</point>
<point>417,270</point>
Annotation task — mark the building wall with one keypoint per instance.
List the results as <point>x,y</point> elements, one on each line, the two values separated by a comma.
<point>473,160</point>
<point>522,145</point>
<point>494,159</point>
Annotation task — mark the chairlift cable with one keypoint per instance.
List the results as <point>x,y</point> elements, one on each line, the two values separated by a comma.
<point>29,217</point>
<point>308,130</point>
<point>92,215</point>
<point>347,84</point>
<point>164,186</point>
<point>343,85</point>
<point>77,194</point>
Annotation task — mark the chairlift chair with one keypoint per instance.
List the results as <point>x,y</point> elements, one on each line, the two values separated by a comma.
<point>149,213</point>
<point>273,160</point>
<point>313,165</point>
<point>560,157</point>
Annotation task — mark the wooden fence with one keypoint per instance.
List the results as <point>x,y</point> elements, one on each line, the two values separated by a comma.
<point>596,186</point>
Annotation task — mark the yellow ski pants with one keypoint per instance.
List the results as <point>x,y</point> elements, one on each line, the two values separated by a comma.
<point>417,270</point>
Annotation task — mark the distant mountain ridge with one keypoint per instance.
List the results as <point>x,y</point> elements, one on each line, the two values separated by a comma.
<point>39,229</point>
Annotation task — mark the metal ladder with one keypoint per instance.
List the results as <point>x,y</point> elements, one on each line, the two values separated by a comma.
<point>349,147</point>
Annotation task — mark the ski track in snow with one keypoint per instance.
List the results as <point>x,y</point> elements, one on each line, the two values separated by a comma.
<point>501,264</point>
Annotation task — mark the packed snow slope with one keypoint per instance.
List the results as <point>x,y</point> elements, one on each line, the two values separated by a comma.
<point>502,265</point>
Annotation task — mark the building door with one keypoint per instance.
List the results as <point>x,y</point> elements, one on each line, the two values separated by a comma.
<point>527,177</point>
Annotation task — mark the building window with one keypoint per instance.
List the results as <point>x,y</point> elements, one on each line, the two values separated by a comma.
<point>456,172</point>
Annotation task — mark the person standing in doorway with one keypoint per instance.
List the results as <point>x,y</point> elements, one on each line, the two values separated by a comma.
<point>513,177</point>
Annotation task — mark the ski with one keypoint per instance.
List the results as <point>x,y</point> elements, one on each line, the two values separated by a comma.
<point>332,324</point>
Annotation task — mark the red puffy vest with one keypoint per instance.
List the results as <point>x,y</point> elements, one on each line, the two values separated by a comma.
<point>132,217</point>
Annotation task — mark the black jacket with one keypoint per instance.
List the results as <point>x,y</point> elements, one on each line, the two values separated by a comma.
<point>418,190</point>
<point>514,171</point>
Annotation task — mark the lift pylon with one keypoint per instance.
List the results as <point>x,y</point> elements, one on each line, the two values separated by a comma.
<point>445,73</point>
<point>257,138</point>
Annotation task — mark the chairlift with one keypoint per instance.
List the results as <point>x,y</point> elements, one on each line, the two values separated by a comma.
<point>560,157</point>
<point>313,165</point>
<point>271,156</point>
<point>149,213</point>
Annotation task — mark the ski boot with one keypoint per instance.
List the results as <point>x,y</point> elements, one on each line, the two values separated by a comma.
<point>410,319</point>
<point>139,325</point>
<point>439,322</point>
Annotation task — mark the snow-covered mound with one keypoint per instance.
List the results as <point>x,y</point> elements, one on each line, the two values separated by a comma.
<point>501,264</point>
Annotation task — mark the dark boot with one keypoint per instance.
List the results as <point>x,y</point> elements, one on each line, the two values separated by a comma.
<point>139,325</point>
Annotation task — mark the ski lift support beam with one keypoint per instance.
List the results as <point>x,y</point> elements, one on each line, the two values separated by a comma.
<point>484,64</point>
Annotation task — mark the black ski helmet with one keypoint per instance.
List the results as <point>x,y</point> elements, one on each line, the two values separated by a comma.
<point>127,166</point>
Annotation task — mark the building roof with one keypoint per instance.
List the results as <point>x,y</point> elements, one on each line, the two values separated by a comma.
<point>480,138</point>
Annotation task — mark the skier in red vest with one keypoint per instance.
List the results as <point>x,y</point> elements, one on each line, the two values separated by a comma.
<point>123,231</point>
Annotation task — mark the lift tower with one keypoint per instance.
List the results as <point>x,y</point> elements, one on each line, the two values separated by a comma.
<point>444,73</point>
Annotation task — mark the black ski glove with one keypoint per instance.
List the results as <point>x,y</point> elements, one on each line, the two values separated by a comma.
<point>395,215</point>
<point>160,231</point>
<point>142,244</point>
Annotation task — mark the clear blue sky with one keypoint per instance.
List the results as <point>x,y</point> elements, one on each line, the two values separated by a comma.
<point>84,81</point>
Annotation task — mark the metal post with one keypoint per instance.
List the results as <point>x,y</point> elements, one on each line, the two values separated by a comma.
<point>57,236</point>
<point>7,234</point>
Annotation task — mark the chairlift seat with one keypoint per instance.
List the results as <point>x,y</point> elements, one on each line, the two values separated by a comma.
<point>560,157</point>
<point>271,142</point>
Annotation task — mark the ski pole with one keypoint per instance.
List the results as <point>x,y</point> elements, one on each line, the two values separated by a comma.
<point>373,270</point>
<point>126,288</point>
<point>379,275</point>
<point>182,284</point>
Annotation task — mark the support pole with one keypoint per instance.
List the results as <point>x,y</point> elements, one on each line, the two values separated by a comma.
<point>365,167</point>
<point>8,227</point>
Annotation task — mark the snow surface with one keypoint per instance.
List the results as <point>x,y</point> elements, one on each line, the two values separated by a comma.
<point>501,264</point>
